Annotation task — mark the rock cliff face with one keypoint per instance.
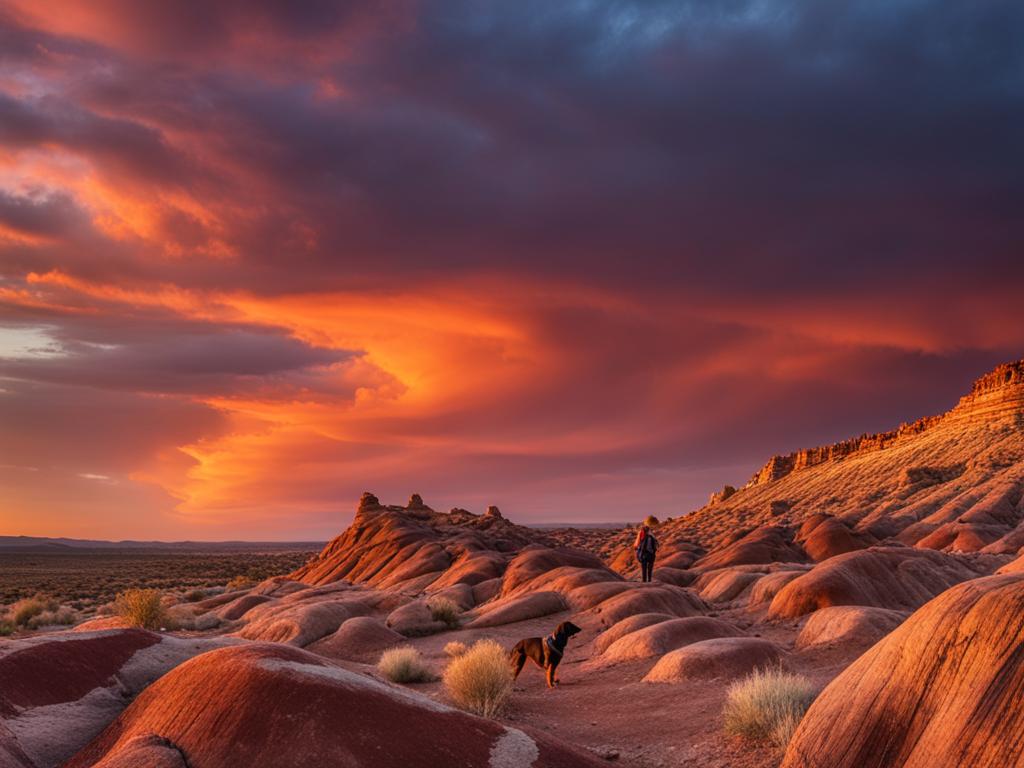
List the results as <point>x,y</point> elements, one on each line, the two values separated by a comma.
<point>953,482</point>
<point>997,394</point>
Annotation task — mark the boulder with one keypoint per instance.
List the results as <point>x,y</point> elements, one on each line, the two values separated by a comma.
<point>299,623</point>
<point>725,585</point>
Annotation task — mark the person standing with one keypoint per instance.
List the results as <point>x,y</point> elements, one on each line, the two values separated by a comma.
<point>646,546</point>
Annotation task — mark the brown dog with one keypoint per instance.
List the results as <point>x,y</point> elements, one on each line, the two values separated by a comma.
<point>546,652</point>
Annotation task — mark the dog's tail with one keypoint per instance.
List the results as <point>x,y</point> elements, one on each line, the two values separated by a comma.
<point>517,651</point>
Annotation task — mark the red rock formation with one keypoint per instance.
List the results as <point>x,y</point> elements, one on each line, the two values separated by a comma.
<point>724,658</point>
<point>58,691</point>
<point>413,546</point>
<point>852,626</point>
<point>270,706</point>
<point>664,636</point>
<point>944,689</point>
<point>766,544</point>
<point>962,472</point>
<point>882,577</point>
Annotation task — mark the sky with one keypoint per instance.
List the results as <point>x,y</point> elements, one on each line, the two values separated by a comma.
<point>583,260</point>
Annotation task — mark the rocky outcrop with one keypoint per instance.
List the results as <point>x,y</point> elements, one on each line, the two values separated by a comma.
<point>270,706</point>
<point>725,658</point>
<point>664,636</point>
<point>854,627</point>
<point>58,691</point>
<point>413,546</point>
<point>944,689</point>
<point>898,578</point>
<point>953,482</point>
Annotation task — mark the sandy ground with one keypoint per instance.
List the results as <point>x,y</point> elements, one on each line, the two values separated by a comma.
<point>612,712</point>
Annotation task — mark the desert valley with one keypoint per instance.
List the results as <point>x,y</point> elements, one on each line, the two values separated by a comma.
<point>883,574</point>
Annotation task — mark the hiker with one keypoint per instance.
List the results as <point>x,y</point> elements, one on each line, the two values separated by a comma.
<point>646,546</point>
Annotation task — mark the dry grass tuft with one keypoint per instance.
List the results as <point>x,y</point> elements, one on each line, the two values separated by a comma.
<point>480,680</point>
<point>62,616</point>
<point>240,582</point>
<point>444,610</point>
<point>141,608</point>
<point>25,610</point>
<point>455,649</point>
<point>404,665</point>
<point>768,705</point>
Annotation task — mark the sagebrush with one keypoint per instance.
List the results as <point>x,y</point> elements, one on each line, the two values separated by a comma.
<point>455,648</point>
<point>480,680</point>
<point>404,665</point>
<point>768,705</point>
<point>444,610</point>
<point>142,608</point>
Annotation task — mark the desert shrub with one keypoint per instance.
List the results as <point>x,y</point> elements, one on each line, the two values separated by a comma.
<point>240,582</point>
<point>62,616</point>
<point>767,705</point>
<point>195,595</point>
<point>6,628</point>
<point>26,609</point>
<point>455,648</point>
<point>480,680</point>
<point>141,608</point>
<point>444,610</point>
<point>404,665</point>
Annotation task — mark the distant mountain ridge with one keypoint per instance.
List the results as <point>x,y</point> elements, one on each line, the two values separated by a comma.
<point>59,544</point>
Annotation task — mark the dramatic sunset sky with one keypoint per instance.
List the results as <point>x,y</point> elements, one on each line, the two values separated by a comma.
<point>583,260</point>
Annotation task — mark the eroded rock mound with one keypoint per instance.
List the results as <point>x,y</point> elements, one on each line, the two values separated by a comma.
<point>944,689</point>
<point>766,544</point>
<point>271,706</point>
<point>726,658</point>
<point>411,547</point>
<point>58,691</point>
<point>899,578</point>
<point>362,638</point>
<point>853,626</point>
<point>664,636</point>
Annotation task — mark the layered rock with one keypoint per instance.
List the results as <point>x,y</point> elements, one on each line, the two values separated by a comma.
<point>58,691</point>
<point>897,578</point>
<point>270,706</point>
<point>944,689</point>
<point>953,482</point>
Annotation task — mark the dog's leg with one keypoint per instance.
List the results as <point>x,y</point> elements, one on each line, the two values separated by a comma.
<point>551,676</point>
<point>518,660</point>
